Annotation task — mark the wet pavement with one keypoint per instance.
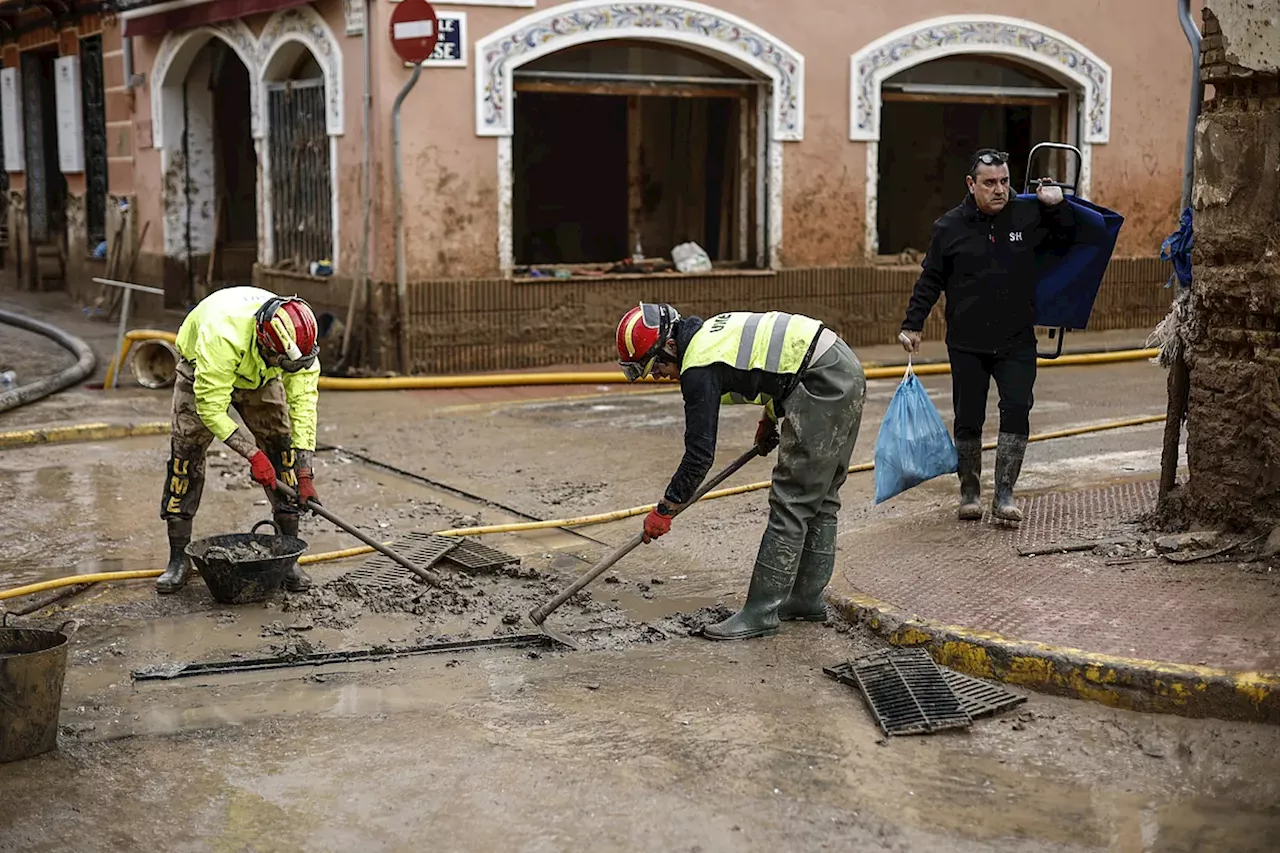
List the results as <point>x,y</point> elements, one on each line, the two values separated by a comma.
<point>643,739</point>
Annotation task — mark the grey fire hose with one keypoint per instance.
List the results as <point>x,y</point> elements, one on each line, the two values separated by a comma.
<point>85,362</point>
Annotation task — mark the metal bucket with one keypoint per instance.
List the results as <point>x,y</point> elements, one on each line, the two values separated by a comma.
<point>233,580</point>
<point>33,665</point>
<point>154,363</point>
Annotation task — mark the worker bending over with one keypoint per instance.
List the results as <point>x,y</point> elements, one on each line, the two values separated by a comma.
<point>812,387</point>
<point>256,352</point>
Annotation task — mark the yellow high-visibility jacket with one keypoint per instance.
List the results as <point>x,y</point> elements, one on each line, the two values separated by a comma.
<point>219,338</point>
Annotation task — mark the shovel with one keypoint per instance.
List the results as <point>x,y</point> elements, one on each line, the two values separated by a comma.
<point>539,614</point>
<point>425,574</point>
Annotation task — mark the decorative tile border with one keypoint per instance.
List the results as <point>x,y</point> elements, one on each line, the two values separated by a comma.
<point>698,26</point>
<point>990,34</point>
<point>299,23</point>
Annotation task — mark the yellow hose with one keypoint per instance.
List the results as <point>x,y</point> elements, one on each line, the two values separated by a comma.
<point>519,527</point>
<point>602,377</point>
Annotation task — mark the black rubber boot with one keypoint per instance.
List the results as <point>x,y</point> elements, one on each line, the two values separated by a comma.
<point>178,571</point>
<point>295,580</point>
<point>1010,450</point>
<point>771,583</point>
<point>969,470</point>
<point>817,562</point>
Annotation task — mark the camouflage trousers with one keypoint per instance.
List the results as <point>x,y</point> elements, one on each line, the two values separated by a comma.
<point>265,411</point>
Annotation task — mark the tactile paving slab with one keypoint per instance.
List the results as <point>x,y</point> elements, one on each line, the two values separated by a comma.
<point>927,563</point>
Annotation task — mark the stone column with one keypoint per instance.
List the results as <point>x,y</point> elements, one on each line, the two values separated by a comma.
<point>1233,334</point>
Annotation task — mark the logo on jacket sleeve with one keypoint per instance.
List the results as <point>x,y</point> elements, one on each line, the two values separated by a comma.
<point>1015,236</point>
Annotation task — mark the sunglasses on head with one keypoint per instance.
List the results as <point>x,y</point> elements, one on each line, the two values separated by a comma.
<point>993,158</point>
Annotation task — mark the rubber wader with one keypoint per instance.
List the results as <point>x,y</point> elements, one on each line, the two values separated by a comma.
<point>296,579</point>
<point>177,572</point>
<point>817,562</point>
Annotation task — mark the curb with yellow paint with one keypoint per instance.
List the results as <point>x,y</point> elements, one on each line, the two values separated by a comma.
<point>1119,682</point>
<point>80,432</point>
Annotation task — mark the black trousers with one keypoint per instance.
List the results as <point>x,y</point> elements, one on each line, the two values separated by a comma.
<point>971,375</point>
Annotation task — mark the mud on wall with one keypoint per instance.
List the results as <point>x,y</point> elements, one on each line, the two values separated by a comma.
<point>503,324</point>
<point>1233,338</point>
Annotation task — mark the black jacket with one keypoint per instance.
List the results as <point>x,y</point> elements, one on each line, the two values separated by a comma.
<point>702,388</point>
<point>986,266</point>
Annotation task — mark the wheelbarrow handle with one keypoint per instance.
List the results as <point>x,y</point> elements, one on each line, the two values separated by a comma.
<point>425,574</point>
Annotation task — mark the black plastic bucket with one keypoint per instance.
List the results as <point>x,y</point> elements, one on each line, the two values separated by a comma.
<point>234,580</point>
<point>33,666</point>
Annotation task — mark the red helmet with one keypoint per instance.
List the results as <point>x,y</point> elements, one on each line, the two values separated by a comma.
<point>287,329</point>
<point>641,334</point>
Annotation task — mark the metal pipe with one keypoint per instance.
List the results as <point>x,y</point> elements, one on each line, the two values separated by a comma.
<point>425,574</point>
<point>127,49</point>
<point>539,614</point>
<point>402,286</point>
<point>1197,99</point>
<point>366,266</point>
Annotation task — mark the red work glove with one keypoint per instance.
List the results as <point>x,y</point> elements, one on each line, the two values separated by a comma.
<point>766,436</point>
<point>656,523</point>
<point>307,487</point>
<point>264,473</point>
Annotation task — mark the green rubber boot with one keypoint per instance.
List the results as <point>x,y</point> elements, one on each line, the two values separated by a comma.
<point>969,470</point>
<point>817,562</point>
<point>771,582</point>
<point>295,580</point>
<point>178,571</point>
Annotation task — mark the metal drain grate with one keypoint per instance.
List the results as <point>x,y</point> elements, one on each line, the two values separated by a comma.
<point>421,549</point>
<point>471,556</point>
<point>977,697</point>
<point>906,691</point>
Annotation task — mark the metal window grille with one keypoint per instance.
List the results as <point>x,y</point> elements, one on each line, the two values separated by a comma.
<point>94,105</point>
<point>301,192</point>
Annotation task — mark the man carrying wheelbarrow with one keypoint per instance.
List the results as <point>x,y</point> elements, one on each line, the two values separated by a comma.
<point>251,350</point>
<point>813,390</point>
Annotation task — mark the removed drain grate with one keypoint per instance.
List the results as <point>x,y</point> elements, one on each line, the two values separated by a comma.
<point>906,690</point>
<point>421,549</point>
<point>471,556</point>
<point>977,697</point>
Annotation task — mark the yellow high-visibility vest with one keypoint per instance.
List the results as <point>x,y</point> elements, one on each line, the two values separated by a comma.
<point>775,342</point>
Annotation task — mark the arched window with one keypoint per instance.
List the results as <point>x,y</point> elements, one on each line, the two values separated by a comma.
<point>935,115</point>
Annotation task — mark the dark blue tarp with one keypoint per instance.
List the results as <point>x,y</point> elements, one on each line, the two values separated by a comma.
<point>1068,278</point>
<point>1177,248</point>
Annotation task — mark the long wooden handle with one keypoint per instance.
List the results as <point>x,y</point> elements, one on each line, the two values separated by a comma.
<point>425,574</point>
<point>539,614</point>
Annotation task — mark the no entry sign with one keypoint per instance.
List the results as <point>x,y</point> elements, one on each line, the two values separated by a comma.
<point>414,30</point>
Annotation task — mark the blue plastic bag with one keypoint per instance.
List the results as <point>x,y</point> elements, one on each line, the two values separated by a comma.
<point>913,444</point>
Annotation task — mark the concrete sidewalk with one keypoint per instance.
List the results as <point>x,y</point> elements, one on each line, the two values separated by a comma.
<point>1116,623</point>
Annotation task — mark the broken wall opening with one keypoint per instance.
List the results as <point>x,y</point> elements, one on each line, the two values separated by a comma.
<point>935,115</point>
<point>623,148</point>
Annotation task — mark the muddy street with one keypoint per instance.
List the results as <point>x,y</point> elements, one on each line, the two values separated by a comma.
<point>643,738</point>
